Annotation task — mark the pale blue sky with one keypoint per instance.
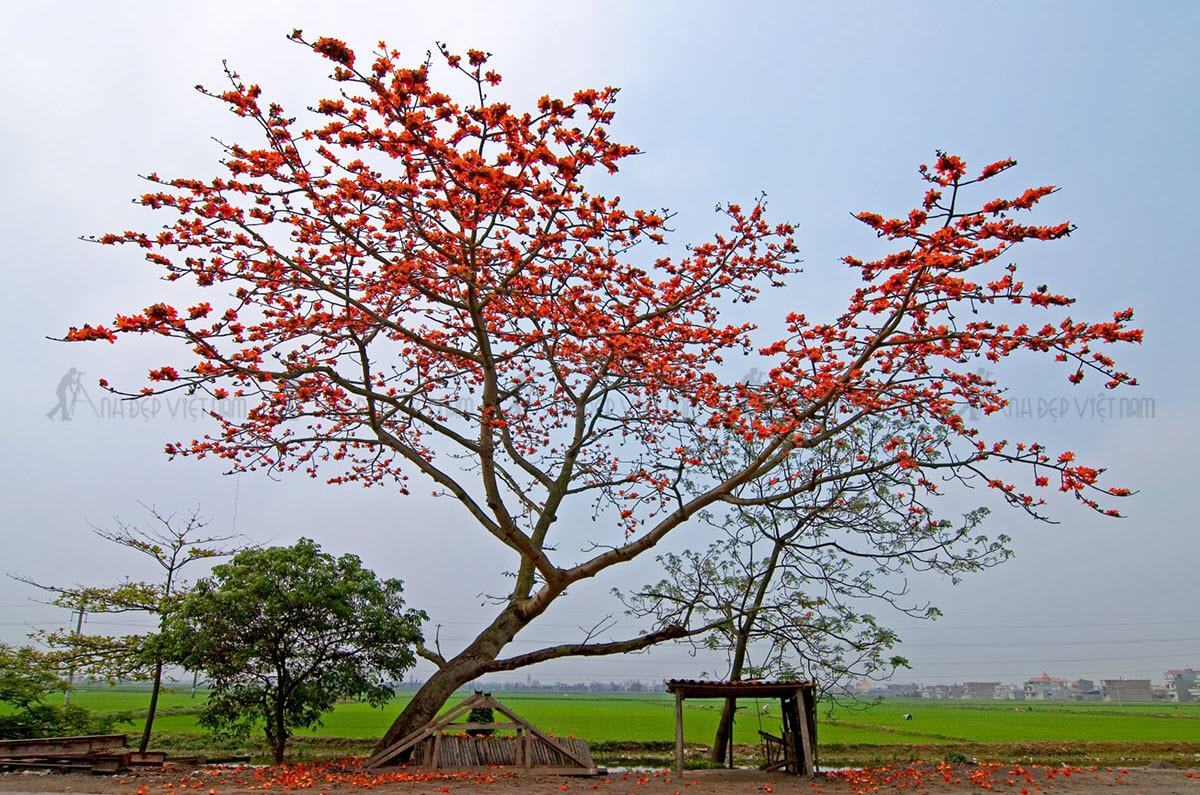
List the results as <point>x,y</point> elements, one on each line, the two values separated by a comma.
<point>826,107</point>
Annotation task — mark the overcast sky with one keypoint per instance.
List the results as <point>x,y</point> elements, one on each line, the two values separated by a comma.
<point>828,108</point>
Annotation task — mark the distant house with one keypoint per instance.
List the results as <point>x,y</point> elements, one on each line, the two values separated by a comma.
<point>904,691</point>
<point>1010,693</point>
<point>1046,688</point>
<point>979,690</point>
<point>941,692</point>
<point>1052,688</point>
<point>1126,690</point>
<point>1182,685</point>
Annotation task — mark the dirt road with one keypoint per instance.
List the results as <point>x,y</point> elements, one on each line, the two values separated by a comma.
<point>328,779</point>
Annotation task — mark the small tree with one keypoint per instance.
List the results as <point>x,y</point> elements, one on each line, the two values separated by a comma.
<point>284,633</point>
<point>27,676</point>
<point>788,587</point>
<point>172,544</point>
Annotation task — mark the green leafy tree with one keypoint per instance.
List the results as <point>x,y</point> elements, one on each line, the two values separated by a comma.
<point>789,587</point>
<point>172,542</point>
<point>27,676</point>
<point>284,633</point>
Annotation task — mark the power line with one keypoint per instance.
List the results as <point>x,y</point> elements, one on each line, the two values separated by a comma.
<point>906,628</point>
<point>954,644</point>
<point>906,644</point>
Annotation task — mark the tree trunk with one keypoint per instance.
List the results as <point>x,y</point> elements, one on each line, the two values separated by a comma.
<point>154,688</point>
<point>468,665</point>
<point>720,748</point>
<point>741,642</point>
<point>725,725</point>
<point>278,736</point>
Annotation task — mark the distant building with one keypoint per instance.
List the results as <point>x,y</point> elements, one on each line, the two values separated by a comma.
<point>903,691</point>
<point>1046,688</point>
<point>1182,684</point>
<point>1126,690</point>
<point>941,692</point>
<point>1084,690</point>
<point>1010,693</point>
<point>979,690</point>
<point>1052,688</point>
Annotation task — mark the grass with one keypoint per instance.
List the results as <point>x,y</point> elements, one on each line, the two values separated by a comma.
<point>638,730</point>
<point>626,718</point>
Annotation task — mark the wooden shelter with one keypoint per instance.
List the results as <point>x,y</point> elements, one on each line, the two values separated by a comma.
<point>795,751</point>
<point>444,742</point>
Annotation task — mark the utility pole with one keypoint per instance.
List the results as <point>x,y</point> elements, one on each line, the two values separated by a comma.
<point>71,671</point>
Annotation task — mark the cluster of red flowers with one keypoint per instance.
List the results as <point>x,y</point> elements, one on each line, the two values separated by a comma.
<point>307,775</point>
<point>409,277</point>
<point>1025,779</point>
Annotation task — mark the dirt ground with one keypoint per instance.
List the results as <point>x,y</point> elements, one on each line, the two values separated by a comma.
<point>340,778</point>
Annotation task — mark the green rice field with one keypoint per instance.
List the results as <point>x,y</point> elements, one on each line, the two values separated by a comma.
<point>631,718</point>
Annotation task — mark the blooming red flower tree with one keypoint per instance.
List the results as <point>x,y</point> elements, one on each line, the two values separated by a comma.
<point>422,287</point>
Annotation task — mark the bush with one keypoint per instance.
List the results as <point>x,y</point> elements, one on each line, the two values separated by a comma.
<point>26,677</point>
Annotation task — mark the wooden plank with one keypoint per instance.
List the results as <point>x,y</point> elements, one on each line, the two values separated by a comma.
<point>109,764</point>
<point>52,746</point>
<point>40,764</point>
<point>794,752</point>
<point>96,741</point>
<point>435,746</point>
<point>810,708</point>
<point>394,750</point>
<point>436,756</point>
<point>806,766</point>
<point>496,705</point>
<point>574,771</point>
<point>678,734</point>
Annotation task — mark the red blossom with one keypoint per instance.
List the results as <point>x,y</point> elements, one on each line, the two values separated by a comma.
<point>335,50</point>
<point>412,279</point>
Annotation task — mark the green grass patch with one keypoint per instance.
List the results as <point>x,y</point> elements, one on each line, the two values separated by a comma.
<point>619,718</point>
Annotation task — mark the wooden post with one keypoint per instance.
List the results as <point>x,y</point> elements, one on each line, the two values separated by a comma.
<point>791,709</point>
<point>679,734</point>
<point>805,736</point>
<point>437,751</point>
<point>810,706</point>
<point>785,738</point>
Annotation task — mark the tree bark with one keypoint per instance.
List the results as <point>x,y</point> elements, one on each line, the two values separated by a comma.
<point>457,671</point>
<point>724,729</point>
<point>278,737</point>
<point>154,689</point>
<point>742,641</point>
<point>429,699</point>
